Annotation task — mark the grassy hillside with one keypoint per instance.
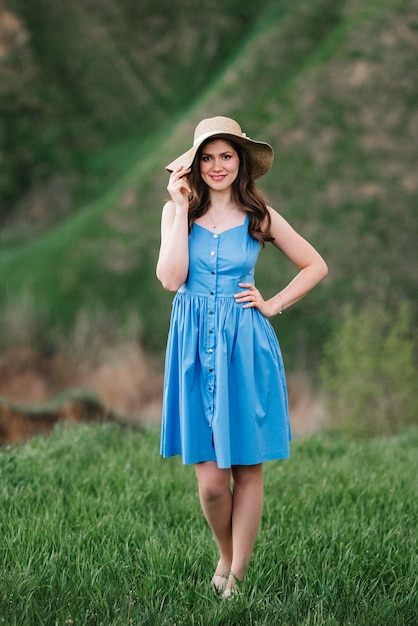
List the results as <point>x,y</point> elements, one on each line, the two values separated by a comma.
<point>77,76</point>
<point>100,530</point>
<point>330,84</point>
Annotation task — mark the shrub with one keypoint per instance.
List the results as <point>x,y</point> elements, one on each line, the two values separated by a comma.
<point>369,372</point>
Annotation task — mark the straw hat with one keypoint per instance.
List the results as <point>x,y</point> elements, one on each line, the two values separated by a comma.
<point>260,153</point>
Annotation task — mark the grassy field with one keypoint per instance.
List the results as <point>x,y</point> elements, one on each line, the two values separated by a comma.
<point>95,528</point>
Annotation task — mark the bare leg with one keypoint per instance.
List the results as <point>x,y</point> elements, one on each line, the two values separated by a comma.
<point>247,507</point>
<point>216,502</point>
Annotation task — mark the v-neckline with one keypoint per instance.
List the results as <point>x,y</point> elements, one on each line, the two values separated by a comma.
<point>213,231</point>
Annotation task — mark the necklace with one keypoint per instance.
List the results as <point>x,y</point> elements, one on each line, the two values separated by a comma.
<point>222,219</point>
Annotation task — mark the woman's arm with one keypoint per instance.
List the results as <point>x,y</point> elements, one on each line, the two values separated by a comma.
<point>312,269</point>
<point>173,260</point>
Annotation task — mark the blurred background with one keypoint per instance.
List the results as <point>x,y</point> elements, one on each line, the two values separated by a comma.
<point>96,96</point>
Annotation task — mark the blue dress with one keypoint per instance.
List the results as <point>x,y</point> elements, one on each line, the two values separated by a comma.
<point>225,396</point>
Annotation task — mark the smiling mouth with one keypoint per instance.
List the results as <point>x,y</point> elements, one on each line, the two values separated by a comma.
<point>218,177</point>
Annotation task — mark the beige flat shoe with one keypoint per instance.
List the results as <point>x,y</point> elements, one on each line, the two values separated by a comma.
<point>219,583</point>
<point>228,594</point>
<point>233,590</point>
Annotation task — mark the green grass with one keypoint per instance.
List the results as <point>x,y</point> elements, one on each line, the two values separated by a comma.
<point>97,529</point>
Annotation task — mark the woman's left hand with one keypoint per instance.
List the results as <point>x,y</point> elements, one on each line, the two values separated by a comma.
<point>252,298</point>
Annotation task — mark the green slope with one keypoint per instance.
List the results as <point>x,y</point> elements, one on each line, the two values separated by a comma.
<point>331,85</point>
<point>77,76</point>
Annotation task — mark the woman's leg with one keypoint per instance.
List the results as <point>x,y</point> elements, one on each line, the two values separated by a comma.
<point>247,507</point>
<point>216,502</point>
<point>233,517</point>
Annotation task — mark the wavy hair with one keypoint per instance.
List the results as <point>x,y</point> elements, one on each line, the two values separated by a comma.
<point>244,192</point>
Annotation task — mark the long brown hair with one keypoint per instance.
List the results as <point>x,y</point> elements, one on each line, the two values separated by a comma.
<point>244,192</point>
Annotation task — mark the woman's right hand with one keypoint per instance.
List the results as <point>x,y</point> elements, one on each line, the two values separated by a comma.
<point>179,189</point>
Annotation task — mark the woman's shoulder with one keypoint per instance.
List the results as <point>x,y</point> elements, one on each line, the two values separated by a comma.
<point>275,216</point>
<point>276,225</point>
<point>168,206</point>
<point>271,211</point>
<point>271,217</point>
<point>169,211</point>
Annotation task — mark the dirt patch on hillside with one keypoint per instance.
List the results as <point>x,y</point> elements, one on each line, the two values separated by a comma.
<point>122,377</point>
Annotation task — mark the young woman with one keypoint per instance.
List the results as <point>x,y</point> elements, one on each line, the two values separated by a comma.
<point>225,400</point>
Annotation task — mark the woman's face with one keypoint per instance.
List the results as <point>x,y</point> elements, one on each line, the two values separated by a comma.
<point>219,164</point>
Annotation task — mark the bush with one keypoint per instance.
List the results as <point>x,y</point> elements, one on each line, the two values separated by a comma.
<point>369,373</point>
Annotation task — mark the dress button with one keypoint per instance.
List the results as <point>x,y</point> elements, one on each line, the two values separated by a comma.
<point>211,332</point>
<point>210,312</point>
<point>212,252</point>
<point>211,369</point>
<point>215,236</point>
<point>212,293</point>
<point>210,350</point>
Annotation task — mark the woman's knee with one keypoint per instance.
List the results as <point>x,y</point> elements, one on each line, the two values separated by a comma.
<point>213,482</point>
<point>247,475</point>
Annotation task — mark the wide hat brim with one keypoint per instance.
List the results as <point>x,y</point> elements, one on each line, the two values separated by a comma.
<point>261,154</point>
